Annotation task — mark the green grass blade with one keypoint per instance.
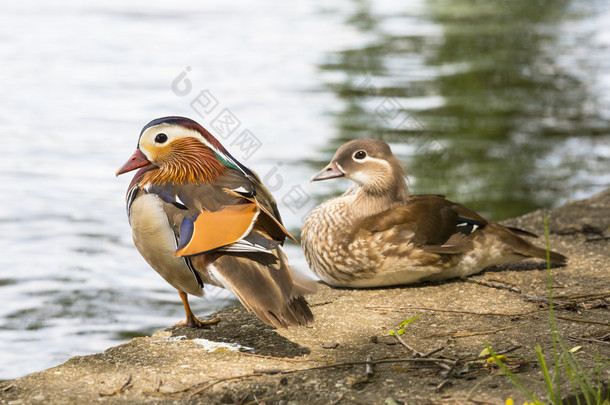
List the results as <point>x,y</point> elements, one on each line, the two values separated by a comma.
<point>545,374</point>
<point>572,378</point>
<point>510,375</point>
<point>556,392</point>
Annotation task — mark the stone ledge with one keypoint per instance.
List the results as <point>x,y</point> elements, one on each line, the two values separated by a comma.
<point>174,366</point>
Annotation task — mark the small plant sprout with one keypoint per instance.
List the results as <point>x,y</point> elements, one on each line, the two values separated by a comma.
<point>401,328</point>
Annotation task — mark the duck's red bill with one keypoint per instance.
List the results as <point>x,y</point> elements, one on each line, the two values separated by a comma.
<point>136,161</point>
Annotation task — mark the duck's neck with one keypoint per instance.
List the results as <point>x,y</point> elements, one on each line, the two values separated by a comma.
<point>367,201</point>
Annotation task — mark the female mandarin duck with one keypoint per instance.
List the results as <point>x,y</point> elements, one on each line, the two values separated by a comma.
<point>376,234</point>
<point>200,217</point>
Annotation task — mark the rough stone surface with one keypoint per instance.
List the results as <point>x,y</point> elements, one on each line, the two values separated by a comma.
<point>352,325</point>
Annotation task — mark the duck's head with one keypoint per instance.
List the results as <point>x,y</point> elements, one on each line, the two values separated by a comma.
<point>370,164</point>
<point>181,151</point>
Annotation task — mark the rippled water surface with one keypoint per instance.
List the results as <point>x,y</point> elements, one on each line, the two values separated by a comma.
<point>504,106</point>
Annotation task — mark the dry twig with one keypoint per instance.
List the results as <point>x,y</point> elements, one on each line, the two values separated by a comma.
<point>598,239</point>
<point>565,318</point>
<point>402,342</point>
<point>109,394</point>
<point>603,342</point>
<point>368,368</point>
<point>453,311</point>
<point>487,332</point>
<point>270,371</point>
<point>495,284</point>
<point>431,352</point>
<point>277,358</point>
<point>567,302</point>
<point>512,349</point>
<point>468,401</point>
<point>585,297</point>
<point>545,300</point>
<point>442,385</point>
<point>8,387</point>
<point>219,380</point>
<point>261,400</point>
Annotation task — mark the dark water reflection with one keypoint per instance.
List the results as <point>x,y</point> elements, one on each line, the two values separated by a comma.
<point>495,102</point>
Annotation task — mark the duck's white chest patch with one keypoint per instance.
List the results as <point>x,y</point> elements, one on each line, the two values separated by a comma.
<point>156,242</point>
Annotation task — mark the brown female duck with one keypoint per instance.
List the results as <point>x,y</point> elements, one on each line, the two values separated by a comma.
<point>376,234</point>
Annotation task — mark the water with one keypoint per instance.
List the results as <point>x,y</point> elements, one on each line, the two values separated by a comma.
<point>504,107</point>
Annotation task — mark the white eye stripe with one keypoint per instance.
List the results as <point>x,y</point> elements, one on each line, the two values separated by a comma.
<point>368,158</point>
<point>172,132</point>
<point>148,145</point>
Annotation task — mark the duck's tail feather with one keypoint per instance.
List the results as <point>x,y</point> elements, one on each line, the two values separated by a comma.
<point>541,253</point>
<point>522,232</point>
<point>524,248</point>
<point>264,285</point>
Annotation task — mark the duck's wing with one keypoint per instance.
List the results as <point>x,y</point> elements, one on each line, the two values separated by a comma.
<point>270,220</point>
<point>430,221</point>
<point>220,216</point>
<point>440,226</point>
<point>510,238</point>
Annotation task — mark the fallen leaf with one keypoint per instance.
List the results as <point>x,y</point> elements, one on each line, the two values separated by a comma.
<point>499,357</point>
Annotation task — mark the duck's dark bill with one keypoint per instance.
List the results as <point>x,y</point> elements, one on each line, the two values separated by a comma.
<point>329,172</point>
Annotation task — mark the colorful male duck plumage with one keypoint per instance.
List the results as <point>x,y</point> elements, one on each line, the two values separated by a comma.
<point>376,234</point>
<point>199,217</point>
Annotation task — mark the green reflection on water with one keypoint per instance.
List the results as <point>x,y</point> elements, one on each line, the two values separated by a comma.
<point>484,94</point>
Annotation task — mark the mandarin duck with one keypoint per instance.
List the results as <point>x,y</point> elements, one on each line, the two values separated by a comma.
<point>376,234</point>
<point>199,217</point>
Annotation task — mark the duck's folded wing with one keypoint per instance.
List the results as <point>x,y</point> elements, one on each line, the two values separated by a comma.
<point>206,218</point>
<point>429,221</point>
<point>208,231</point>
<point>270,221</point>
<point>220,216</point>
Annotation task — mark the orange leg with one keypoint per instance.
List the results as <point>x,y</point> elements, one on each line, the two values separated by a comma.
<point>191,320</point>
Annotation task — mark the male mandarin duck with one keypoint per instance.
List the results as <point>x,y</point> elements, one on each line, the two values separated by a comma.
<point>376,234</point>
<point>199,217</point>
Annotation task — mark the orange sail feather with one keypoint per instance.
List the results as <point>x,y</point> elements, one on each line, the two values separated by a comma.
<point>212,230</point>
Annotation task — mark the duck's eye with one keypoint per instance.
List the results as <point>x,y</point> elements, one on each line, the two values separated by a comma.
<point>161,138</point>
<point>360,155</point>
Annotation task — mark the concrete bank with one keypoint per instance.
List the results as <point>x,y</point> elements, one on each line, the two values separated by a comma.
<point>504,307</point>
